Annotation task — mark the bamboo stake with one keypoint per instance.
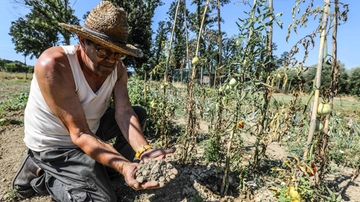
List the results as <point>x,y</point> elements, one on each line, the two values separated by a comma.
<point>270,28</point>
<point>201,27</point>
<point>334,63</point>
<point>219,41</point>
<point>318,77</point>
<point>187,41</point>
<point>250,32</point>
<point>170,45</point>
<point>227,165</point>
<point>190,105</point>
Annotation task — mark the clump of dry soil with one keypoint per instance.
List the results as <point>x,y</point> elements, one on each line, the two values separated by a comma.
<point>155,170</point>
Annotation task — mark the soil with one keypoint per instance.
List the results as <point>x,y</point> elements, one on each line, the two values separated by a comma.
<point>156,170</point>
<point>196,181</point>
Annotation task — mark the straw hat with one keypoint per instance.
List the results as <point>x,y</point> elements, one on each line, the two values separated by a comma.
<point>106,25</point>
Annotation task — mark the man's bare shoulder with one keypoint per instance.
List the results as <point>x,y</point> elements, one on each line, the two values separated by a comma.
<point>53,65</point>
<point>54,57</point>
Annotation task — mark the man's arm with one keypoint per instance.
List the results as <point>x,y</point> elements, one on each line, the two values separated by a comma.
<point>57,86</point>
<point>124,114</point>
<point>128,121</point>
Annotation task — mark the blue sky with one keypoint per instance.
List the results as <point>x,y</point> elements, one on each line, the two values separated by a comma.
<point>348,42</point>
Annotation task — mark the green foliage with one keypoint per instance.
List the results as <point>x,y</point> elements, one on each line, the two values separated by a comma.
<point>282,195</point>
<point>140,32</point>
<point>12,193</point>
<point>26,38</point>
<point>17,102</point>
<point>287,80</point>
<point>15,66</point>
<point>39,29</point>
<point>354,81</point>
<point>159,49</point>
<point>213,151</point>
<point>343,82</point>
<point>305,190</point>
<point>178,50</point>
<point>343,149</point>
<point>198,198</point>
<point>160,101</point>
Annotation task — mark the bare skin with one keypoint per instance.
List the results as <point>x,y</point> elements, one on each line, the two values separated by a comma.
<point>52,69</point>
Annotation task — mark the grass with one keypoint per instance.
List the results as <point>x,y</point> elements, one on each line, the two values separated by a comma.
<point>16,75</point>
<point>341,104</point>
<point>13,83</point>
<point>14,89</point>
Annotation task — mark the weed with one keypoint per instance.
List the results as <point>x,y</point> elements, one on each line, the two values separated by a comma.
<point>213,150</point>
<point>198,198</point>
<point>12,193</point>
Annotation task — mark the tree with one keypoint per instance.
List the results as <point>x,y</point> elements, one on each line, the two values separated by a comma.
<point>139,16</point>
<point>26,34</point>
<point>284,57</point>
<point>228,48</point>
<point>354,81</point>
<point>39,29</point>
<point>2,64</point>
<point>179,48</point>
<point>158,50</point>
<point>343,80</point>
<point>326,78</point>
<point>195,22</point>
<point>219,4</point>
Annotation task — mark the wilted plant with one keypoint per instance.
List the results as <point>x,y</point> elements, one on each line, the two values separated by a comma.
<point>160,105</point>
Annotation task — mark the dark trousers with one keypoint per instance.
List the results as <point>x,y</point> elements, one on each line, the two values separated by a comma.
<point>71,175</point>
<point>109,129</point>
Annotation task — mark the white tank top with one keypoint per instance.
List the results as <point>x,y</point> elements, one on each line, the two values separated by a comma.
<point>43,130</point>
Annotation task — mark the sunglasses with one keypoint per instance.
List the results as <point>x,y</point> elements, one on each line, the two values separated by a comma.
<point>103,53</point>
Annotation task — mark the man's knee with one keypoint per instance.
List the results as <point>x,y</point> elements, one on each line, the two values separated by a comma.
<point>80,193</point>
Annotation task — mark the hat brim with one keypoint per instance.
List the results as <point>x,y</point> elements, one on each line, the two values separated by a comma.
<point>127,49</point>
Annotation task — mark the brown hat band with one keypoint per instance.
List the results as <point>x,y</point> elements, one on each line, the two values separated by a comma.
<point>102,35</point>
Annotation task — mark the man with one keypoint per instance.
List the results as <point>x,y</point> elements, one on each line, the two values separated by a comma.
<point>67,120</point>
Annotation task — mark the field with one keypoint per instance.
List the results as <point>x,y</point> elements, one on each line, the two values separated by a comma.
<point>199,179</point>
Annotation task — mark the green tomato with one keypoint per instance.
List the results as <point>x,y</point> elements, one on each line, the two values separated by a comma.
<point>319,126</point>
<point>324,109</point>
<point>195,60</point>
<point>228,89</point>
<point>232,82</point>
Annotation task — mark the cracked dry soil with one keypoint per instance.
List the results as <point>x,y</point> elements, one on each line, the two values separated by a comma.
<point>155,170</point>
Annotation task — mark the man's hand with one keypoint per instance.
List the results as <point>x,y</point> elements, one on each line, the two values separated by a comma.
<point>156,153</point>
<point>129,171</point>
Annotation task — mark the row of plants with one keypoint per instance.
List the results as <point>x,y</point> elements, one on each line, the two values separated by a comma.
<point>288,124</point>
<point>244,105</point>
<point>288,120</point>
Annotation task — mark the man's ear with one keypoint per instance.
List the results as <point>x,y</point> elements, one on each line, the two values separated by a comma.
<point>82,42</point>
